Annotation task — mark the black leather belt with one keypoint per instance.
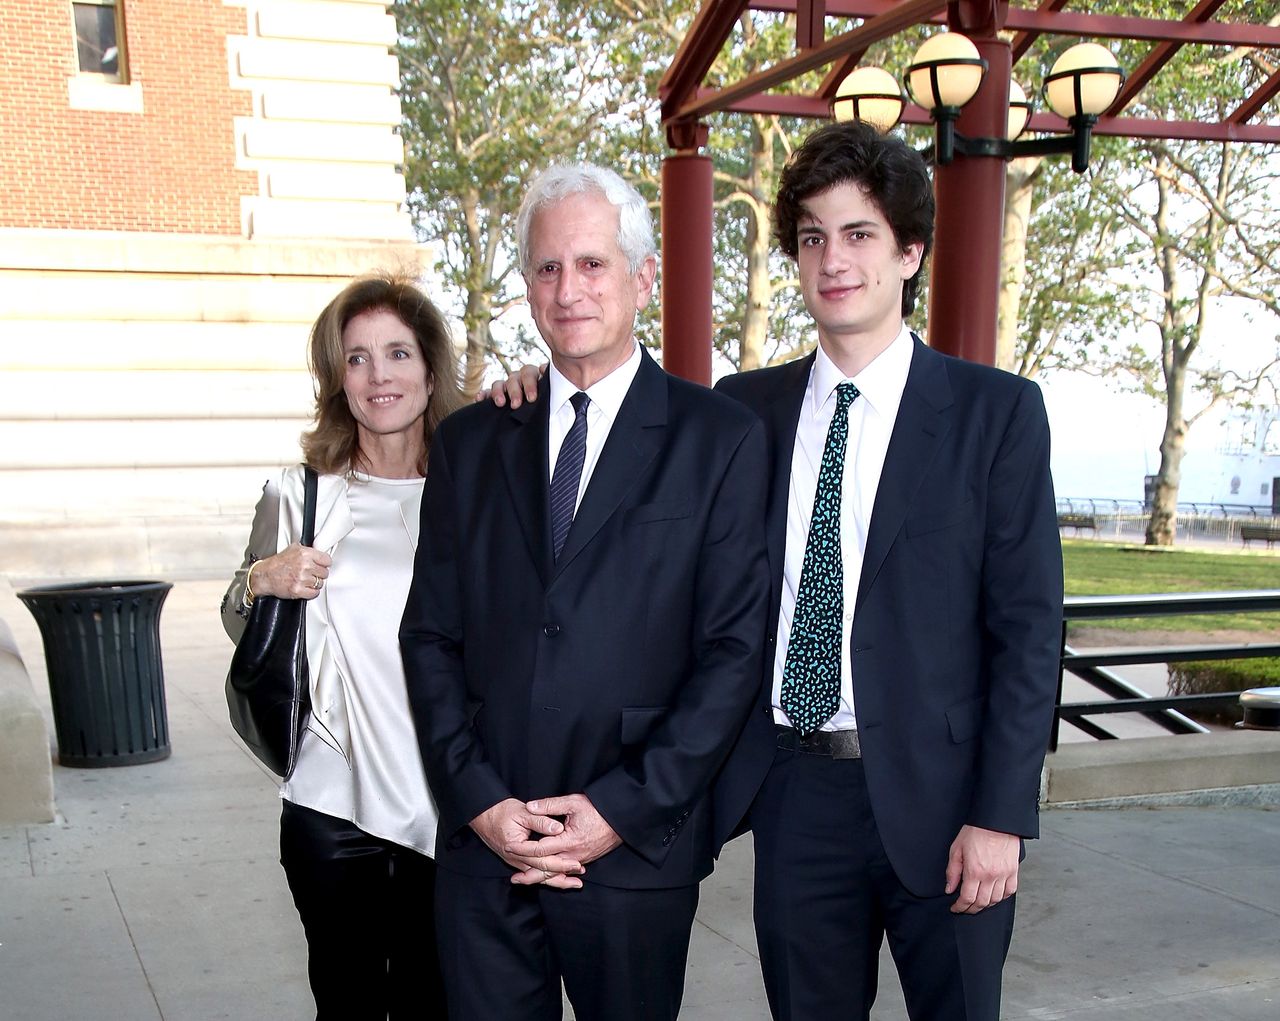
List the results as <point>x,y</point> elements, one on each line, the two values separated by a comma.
<point>835,744</point>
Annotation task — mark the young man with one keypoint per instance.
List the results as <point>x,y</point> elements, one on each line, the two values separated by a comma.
<point>891,767</point>
<point>582,638</point>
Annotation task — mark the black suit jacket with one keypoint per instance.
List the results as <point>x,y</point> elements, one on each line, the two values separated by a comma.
<point>625,669</point>
<point>956,631</point>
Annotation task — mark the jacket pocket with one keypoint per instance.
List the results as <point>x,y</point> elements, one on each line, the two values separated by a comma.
<point>965,719</point>
<point>638,723</point>
<point>660,510</point>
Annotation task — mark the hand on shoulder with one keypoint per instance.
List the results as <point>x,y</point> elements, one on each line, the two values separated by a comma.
<point>520,385</point>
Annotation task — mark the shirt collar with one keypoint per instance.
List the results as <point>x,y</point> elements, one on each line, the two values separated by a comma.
<point>606,394</point>
<point>880,383</point>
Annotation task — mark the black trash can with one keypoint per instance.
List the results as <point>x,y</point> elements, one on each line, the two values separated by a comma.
<point>102,648</point>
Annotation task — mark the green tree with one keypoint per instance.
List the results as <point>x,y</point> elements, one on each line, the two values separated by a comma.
<point>1196,216</point>
<point>1064,291</point>
<point>754,285</point>
<point>491,94</point>
<point>1152,236</point>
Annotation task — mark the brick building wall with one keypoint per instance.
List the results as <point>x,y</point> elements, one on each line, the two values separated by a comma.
<point>169,167</point>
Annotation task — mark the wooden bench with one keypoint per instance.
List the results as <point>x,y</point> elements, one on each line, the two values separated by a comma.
<point>1270,534</point>
<point>1078,521</point>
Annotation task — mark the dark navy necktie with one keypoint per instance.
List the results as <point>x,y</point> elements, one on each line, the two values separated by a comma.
<point>811,673</point>
<point>568,473</point>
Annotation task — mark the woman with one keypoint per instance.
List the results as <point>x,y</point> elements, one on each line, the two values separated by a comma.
<point>358,824</point>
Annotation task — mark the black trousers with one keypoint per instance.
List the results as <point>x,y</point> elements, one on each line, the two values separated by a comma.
<point>826,897</point>
<point>504,949</point>
<point>367,907</point>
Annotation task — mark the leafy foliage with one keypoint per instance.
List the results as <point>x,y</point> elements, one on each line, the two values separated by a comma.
<point>1118,275</point>
<point>491,95</point>
<point>1208,677</point>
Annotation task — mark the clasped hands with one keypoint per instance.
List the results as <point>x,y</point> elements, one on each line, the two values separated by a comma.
<point>559,854</point>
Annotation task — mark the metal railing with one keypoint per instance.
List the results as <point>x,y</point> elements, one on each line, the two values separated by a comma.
<point>1108,505</point>
<point>1127,519</point>
<point>1123,697</point>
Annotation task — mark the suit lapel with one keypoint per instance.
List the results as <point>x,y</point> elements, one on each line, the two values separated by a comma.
<point>781,416</point>
<point>523,451</point>
<point>923,420</point>
<point>634,439</point>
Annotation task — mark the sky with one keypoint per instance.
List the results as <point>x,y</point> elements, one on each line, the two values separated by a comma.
<point>1106,440</point>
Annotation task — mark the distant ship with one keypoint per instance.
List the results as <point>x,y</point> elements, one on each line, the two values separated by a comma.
<point>1243,475</point>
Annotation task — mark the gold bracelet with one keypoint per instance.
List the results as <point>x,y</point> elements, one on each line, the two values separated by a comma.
<point>249,597</point>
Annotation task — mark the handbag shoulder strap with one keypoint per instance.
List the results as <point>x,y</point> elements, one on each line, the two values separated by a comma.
<point>310,486</point>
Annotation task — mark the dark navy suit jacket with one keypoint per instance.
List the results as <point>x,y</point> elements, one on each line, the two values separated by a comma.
<point>624,669</point>
<point>956,631</point>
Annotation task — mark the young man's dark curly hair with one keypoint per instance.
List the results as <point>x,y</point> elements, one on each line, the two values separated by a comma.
<point>889,172</point>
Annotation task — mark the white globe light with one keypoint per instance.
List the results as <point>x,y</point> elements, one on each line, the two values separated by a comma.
<point>869,94</point>
<point>1019,111</point>
<point>946,71</point>
<point>1084,80</point>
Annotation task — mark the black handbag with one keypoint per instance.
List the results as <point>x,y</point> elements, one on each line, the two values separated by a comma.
<point>268,684</point>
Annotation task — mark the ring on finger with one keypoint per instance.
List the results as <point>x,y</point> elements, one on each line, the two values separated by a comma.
<point>316,586</point>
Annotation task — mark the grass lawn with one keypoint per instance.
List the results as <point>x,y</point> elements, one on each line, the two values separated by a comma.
<point>1103,568</point>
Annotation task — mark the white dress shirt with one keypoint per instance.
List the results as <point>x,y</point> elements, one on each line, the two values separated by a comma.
<point>606,397</point>
<point>871,418</point>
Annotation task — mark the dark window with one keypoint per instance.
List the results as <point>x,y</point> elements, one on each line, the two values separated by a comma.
<point>98,38</point>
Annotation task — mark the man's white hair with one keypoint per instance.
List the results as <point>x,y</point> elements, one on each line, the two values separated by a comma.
<point>635,225</point>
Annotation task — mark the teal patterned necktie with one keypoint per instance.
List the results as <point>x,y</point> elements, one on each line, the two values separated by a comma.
<point>811,674</point>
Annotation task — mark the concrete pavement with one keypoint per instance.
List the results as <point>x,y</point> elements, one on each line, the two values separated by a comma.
<point>157,895</point>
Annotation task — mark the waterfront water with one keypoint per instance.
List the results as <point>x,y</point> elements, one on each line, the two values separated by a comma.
<point>1105,442</point>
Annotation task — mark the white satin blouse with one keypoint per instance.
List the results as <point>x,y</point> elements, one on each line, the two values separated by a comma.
<point>359,756</point>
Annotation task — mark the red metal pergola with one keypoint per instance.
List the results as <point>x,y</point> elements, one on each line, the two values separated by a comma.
<point>969,191</point>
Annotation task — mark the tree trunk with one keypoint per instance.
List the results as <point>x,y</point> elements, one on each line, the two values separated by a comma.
<point>477,320</point>
<point>755,317</point>
<point>1019,186</point>
<point>1163,524</point>
<point>477,317</point>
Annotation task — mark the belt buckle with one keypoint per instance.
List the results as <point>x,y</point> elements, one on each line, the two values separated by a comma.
<point>834,744</point>
<point>845,745</point>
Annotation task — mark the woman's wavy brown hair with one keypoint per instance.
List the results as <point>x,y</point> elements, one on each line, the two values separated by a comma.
<point>333,445</point>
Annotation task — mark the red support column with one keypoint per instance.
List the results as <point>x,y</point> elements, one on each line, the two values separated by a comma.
<point>686,265</point>
<point>965,282</point>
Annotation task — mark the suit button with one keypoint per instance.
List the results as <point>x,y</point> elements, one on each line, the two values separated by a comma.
<point>551,630</point>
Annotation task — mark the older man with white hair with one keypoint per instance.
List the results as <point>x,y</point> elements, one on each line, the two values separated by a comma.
<point>582,638</point>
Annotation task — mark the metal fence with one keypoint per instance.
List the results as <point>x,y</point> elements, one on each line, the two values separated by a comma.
<point>1123,697</point>
<point>1126,520</point>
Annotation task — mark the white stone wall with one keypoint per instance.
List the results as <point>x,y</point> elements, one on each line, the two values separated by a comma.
<point>323,136</point>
